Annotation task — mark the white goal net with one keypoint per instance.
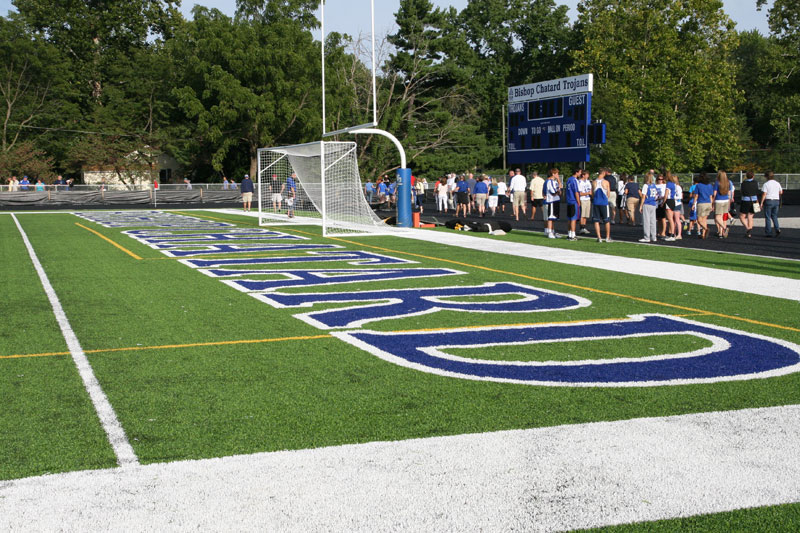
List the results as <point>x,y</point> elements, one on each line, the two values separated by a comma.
<point>316,182</point>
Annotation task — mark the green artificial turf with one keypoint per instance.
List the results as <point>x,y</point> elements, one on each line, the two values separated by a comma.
<point>772,519</point>
<point>191,401</point>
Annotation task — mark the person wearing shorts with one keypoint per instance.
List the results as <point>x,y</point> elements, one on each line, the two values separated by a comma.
<point>462,196</point>
<point>552,188</point>
<point>703,191</point>
<point>721,200</point>
<point>602,205</point>
<point>749,199</point>
<point>573,204</point>
<point>585,190</point>
<point>612,192</point>
<point>517,188</point>
<point>537,195</point>
<point>247,192</point>
<point>480,193</point>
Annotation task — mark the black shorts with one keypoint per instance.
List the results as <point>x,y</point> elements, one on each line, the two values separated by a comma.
<point>671,204</point>
<point>601,213</point>
<point>553,210</point>
<point>661,212</point>
<point>746,208</point>
<point>573,211</point>
<point>463,198</point>
<point>537,202</point>
<point>503,199</point>
<point>620,201</point>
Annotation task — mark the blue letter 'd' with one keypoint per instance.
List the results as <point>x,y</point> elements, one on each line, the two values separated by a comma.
<point>735,355</point>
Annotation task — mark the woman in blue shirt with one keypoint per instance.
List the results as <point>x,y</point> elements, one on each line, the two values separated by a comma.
<point>650,198</point>
<point>703,193</point>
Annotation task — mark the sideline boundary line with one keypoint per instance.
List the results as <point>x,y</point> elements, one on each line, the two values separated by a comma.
<point>110,241</point>
<point>123,450</point>
<point>534,278</point>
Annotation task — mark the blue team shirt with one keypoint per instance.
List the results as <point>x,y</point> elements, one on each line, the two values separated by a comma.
<point>600,196</point>
<point>721,197</point>
<point>462,186</point>
<point>651,194</point>
<point>572,190</point>
<point>481,188</point>
<point>703,192</point>
<point>671,189</point>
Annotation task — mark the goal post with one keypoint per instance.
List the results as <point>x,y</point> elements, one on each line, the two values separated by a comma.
<point>315,183</point>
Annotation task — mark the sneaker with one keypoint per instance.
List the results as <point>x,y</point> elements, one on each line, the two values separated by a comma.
<point>599,240</point>
<point>653,240</point>
<point>556,235</point>
<point>644,240</point>
<point>669,239</point>
<point>777,233</point>
<point>572,238</point>
<point>584,231</point>
<point>551,236</point>
<point>609,240</point>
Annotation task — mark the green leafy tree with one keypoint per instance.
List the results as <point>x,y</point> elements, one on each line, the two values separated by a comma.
<point>34,92</point>
<point>95,33</point>
<point>663,82</point>
<point>497,44</point>
<point>245,84</point>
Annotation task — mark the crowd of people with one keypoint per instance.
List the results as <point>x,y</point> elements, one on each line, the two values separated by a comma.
<point>659,204</point>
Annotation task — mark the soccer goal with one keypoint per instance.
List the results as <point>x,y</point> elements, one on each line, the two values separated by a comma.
<point>318,183</point>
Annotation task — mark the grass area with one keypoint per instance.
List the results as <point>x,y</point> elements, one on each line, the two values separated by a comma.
<point>777,518</point>
<point>172,348</point>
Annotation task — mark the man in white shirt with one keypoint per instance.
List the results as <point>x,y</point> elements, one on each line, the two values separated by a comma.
<point>771,193</point>
<point>537,195</point>
<point>517,188</point>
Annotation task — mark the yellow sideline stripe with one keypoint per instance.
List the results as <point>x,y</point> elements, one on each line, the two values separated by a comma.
<point>172,346</point>
<point>544,280</point>
<point>109,240</point>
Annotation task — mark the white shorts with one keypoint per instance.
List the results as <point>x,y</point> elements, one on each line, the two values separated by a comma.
<point>493,201</point>
<point>277,198</point>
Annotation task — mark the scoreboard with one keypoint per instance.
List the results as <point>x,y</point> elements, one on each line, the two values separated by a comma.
<point>550,120</point>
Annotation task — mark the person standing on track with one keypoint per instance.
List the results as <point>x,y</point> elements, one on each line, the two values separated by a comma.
<point>573,204</point>
<point>703,191</point>
<point>537,194</point>
<point>650,198</point>
<point>247,192</point>
<point>552,188</point>
<point>585,190</point>
<point>602,204</point>
<point>632,199</point>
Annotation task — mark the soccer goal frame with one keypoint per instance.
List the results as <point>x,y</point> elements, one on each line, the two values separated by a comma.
<point>315,183</point>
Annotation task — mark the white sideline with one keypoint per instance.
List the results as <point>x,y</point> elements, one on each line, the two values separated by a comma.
<point>108,418</point>
<point>759,284</point>
<point>545,479</point>
<point>776,287</point>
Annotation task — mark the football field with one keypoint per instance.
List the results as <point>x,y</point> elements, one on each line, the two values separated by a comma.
<point>172,370</point>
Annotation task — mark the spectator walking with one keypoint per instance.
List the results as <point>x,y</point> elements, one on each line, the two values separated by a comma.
<point>771,193</point>
<point>481,193</point>
<point>493,187</point>
<point>462,196</point>
<point>721,202</point>
<point>703,192</point>
<point>502,195</point>
<point>602,204</point>
<point>441,190</point>
<point>632,199</point>
<point>517,188</point>
<point>747,206</point>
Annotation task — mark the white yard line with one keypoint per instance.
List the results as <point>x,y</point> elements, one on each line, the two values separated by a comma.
<point>545,479</point>
<point>108,418</point>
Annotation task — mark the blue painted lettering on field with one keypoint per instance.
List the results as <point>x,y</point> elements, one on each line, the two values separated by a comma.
<point>357,257</point>
<point>310,278</point>
<point>189,251</point>
<point>250,235</point>
<point>734,355</point>
<point>384,304</point>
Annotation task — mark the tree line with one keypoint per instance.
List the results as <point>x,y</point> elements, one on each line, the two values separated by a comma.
<point>112,84</point>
